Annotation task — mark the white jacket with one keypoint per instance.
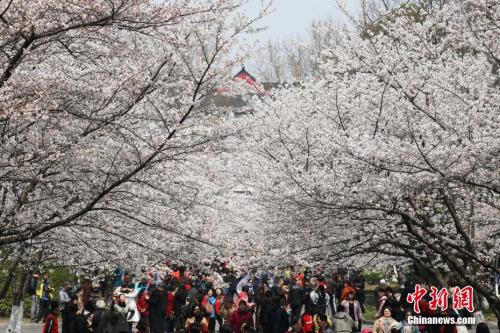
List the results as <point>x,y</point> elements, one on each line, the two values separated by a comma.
<point>131,299</point>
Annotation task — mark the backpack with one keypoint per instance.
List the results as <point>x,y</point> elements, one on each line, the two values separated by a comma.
<point>307,323</point>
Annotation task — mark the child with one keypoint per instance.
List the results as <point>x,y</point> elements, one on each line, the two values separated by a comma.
<point>51,325</point>
<point>307,323</point>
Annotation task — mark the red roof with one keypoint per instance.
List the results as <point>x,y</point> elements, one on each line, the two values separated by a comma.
<point>244,75</point>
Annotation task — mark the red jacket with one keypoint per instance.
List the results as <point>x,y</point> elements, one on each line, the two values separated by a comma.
<point>425,308</point>
<point>51,325</point>
<point>176,275</point>
<point>239,318</point>
<point>203,328</point>
<point>143,304</point>
<point>307,323</point>
<point>204,301</point>
<point>170,304</point>
<point>218,304</point>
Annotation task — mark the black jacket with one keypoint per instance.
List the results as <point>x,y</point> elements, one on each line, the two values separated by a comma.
<point>267,311</point>
<point>395,306</point>
<point>281,321</point>
<point>296,295</point>
<point>276,295</point>
<point>96,320</point>
<point>179,300</point>
<point>106,323</point>
<point>157,310</point>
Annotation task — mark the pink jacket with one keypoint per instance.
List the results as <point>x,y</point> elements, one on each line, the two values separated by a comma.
<point>358,314</point>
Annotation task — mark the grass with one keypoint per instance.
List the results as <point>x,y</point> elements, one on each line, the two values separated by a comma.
<point>370,312</point>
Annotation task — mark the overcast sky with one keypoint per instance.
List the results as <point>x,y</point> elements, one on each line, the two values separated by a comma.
<point>291,18</point>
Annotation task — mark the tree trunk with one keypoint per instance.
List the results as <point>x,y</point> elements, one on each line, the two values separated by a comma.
<point>16,319</point>
<point>494,302</point>
<point>16,316</point>
<point>443,280</point>
<point>427,274</point>
<point>9,277</point>
<point>400,276</point>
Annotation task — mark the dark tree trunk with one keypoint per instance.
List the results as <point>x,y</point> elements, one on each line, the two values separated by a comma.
<point>9,278</point>
<point>20,288</point>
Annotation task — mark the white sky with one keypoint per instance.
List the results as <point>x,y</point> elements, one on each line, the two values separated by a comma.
<point>292,18</point>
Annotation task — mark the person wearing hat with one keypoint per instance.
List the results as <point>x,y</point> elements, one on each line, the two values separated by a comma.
<point>100,306</point>
<point>107,320</point>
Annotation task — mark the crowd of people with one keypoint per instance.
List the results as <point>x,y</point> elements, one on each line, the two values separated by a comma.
<point>180,300</point>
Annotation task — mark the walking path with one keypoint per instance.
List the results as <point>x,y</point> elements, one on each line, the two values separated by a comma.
<point>29,327</point>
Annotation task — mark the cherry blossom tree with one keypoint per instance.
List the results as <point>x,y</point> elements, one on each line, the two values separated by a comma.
<point>103,125</point>
<point>394,155</point>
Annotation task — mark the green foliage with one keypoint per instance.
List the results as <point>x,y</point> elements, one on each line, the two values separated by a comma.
<point>370,312</point>
<point>372,277</point>
<point>57,277</point>
<point>5,305</point>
